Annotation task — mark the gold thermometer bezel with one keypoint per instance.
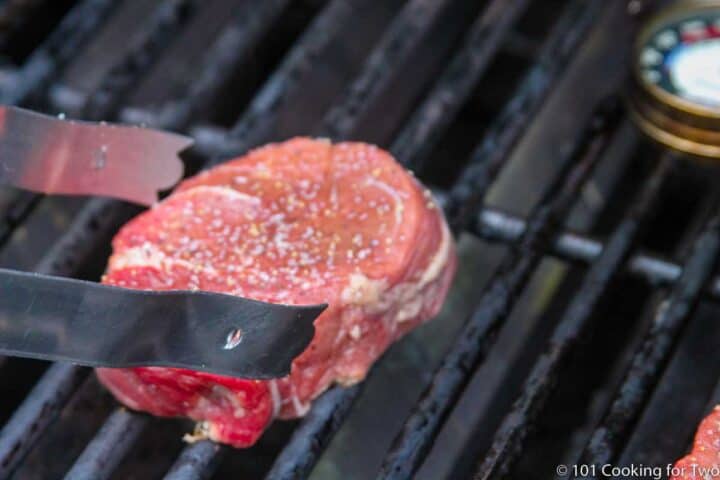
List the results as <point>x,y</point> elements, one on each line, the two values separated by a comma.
<point>674,14</point>
<point>668,118</point>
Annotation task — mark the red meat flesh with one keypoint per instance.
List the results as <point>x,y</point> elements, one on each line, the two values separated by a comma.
<point>299,222</point>
<point>703,462</point>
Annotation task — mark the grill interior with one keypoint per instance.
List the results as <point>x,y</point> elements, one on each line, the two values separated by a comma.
<point>578,327</point>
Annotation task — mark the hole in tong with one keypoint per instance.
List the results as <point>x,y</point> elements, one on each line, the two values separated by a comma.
<point>100,158</point>
<point>233,339</point>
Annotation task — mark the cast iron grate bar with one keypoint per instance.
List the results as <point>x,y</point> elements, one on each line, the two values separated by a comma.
<point>37,410</point>
<point>255,125</point>
<point>497,226</point>
<point>497,298</point>
<point>234,44</point>
<point>434,115</point>
<point>403,36</point>
<point>469,191</point>
<point>197,462</point>
<point>168,19</point>
<point>648,362</point>
<point>511,434</point>
<point>109,446</point>
<point>17,211</point>
<point>310,439</point>
<point>60,47</point>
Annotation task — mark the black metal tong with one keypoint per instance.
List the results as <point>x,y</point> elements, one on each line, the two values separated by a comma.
<point>54,318</point>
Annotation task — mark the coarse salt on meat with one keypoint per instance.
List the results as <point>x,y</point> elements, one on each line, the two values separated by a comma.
<point>703,462</point>
<point>300,222</point>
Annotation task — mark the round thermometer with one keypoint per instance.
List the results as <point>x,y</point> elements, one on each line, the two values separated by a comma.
<point>675,97</point>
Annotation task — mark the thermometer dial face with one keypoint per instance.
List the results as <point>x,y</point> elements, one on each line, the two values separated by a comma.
<point>674,97</point>
<point>681,57</point>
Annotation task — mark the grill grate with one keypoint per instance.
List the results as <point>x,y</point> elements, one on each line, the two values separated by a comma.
<point>196,462</point>
<point>166,22</point>
<point>109,446</point>
<point>479,333</point>
<point>389,85</point>
<point>657,345</point>
<point>455,85</point>
<point>509,438</point>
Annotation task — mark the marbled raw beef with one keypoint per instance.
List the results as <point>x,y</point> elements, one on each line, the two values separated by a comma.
<point>299,222</point>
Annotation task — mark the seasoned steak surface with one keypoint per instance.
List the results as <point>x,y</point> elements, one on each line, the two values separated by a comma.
<point>299,222</point>
<point>703,462</point>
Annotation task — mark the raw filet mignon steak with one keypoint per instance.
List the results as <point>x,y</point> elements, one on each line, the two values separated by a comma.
<point>300,222</point>
<point>703,462</point>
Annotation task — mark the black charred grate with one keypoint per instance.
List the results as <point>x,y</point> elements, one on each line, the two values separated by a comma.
<point>418,77</point>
